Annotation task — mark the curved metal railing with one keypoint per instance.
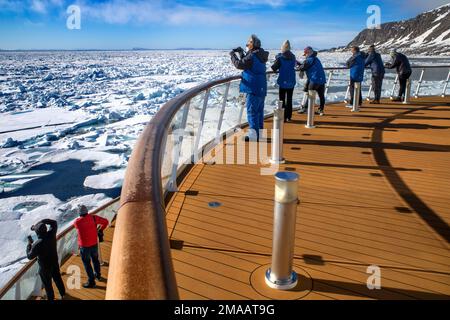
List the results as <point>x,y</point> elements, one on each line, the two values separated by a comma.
<point>140,264</point>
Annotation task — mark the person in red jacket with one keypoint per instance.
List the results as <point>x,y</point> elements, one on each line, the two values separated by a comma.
<point>86,226</point>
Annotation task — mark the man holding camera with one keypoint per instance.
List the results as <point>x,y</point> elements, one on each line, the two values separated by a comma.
<point>88,237</point>
<point>44,249</point>
<point>253,83</point>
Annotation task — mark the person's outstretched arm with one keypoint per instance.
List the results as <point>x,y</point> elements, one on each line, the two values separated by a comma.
<point>102,222</point>
<point>244,63</point>
<point>277,65</point>
<point>33,249</point>
<point>370,59</point>
<point>53,226</point>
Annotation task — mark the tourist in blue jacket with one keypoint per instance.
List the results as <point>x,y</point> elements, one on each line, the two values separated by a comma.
<point>285,62</point>
<point>356,63</point>
<point>316,75</point>
<point>253,83</point>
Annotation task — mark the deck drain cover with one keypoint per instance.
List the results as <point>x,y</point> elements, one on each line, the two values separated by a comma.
<point>214,204</point>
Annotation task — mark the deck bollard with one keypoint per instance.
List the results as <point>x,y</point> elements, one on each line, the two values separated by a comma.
<point>407,92</point>
<point>277,134</point>
<point>281,275</point>
<point>311,103</point>
<point>356,96</point>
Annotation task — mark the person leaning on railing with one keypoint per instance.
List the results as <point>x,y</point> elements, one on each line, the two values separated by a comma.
<point>401,63</point>
<point>253,83</point>
<point>356,63</point>
<point>376,65</point>
<point>88,237</point>
<point>316,77</point>
<point>44,249</point>
<point>285,62</point>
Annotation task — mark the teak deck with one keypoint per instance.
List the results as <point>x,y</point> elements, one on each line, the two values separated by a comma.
<point>374,191</point>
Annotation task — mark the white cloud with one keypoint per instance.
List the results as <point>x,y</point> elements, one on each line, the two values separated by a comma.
<point>126,11</point>
<point>38,6</point>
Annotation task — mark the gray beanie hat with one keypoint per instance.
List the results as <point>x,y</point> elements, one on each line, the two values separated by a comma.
<point>83,210</point>
<point>256,41</point>
<point>286,46</point>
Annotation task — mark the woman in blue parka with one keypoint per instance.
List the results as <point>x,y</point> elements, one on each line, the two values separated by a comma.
<point>253,83</point>
<point>285,63</point>
<point>356,63</point>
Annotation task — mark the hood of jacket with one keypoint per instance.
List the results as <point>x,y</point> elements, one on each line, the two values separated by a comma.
<point>261,54</point>
<point>288,55</point>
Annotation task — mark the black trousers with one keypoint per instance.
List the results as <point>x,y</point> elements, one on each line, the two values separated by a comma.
<point>320,89</point>
<point>286,97</point>
<point>352,92</point>
<point>402,79</point>
<point>377,84</point>
<point>47,274</point>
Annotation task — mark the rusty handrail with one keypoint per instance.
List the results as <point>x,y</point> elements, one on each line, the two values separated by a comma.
<point>30,263</point>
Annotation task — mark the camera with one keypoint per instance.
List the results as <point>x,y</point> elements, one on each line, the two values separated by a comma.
<point>238,50</point>
<point>30,239</point>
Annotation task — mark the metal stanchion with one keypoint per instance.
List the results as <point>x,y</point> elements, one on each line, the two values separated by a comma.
<point>281,275</point>
<point>419,84</point>
<point>393,88</point>
<point>347,94</point>
<point>407,91</point>
<point>369,93</point>
<point>356,96</point>
<point>327,86</point>
<point>277,134</point>
<point>311,103</point>
<point>102,263</point>
<point>446,85</point>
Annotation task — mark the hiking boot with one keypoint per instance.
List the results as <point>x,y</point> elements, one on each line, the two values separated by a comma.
<point>301,110</point>
<point>320,112</point>
<point>88,285</point>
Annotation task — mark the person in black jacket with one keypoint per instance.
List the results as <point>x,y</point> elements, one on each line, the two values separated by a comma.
<point>376,65</point>
<point>404,71</point>
<point>47,256</point>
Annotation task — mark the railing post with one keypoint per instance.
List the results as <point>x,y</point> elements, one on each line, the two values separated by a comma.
<point>172,187</point>
<point>369,93</point>
<point>394,87</point>
<point>200,127</point>
<point>311,104</point>
<point>347,93</point>
<point>241,112</point>
<point>277,134</point>
<point>419,83</point>
<point>281,275</point>
<point>304,100</point>
<point>407,91</point>
<point>356,96</point>
<point>446,85</point>
<point>222,111</point>
<point>330,76</point>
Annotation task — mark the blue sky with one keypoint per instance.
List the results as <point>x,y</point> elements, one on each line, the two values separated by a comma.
<point>125,24</point>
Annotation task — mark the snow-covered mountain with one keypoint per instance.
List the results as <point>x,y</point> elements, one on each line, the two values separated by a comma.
<point>428,34</point>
